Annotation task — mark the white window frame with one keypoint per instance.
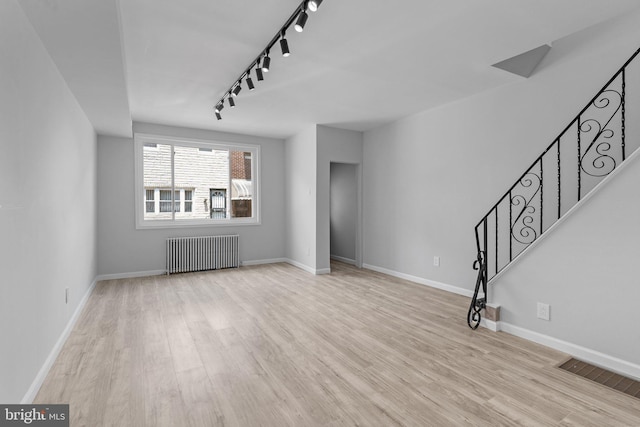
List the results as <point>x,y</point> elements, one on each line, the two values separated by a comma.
<point>141,223</point>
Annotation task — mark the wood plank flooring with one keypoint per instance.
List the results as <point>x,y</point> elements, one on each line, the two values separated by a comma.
<point>274,346</point>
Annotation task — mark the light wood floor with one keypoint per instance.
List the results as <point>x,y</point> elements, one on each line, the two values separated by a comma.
<point>274,346</point>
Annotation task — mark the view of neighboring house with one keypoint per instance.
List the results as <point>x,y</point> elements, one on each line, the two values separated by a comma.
<point>209,183</point>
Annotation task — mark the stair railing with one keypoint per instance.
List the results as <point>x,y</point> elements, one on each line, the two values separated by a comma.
<point>585,152</point>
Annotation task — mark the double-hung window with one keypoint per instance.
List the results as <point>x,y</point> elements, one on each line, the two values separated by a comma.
<point>185,182</point>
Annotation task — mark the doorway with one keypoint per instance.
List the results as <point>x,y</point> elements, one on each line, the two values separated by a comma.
<point>344,213</point>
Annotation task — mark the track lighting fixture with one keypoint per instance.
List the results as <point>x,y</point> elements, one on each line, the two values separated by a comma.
<point>302,20</point>
<point>266,63</point>
<point>284,46</point>
<point>313,5</point>
<point>263,62</point>
<point>237,89</point>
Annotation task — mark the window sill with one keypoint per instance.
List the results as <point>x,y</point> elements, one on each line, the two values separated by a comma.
<point>160,224</point>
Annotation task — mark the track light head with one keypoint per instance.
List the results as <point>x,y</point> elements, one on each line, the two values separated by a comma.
<point>284,46</point>
<point>313,5</point>
<point>219,107</point>
<point>232,103</point>
<point>302,19</point>
<point>259,74</point>
<point>266,62</point>
<point>250,83</point>
<point>236,90</point>
<point>218,116</point>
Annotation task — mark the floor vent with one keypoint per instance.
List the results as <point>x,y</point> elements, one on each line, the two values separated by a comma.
<point>602,376</point>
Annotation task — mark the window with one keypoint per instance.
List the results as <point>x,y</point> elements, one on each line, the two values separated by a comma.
<point>183,182</point>
<point>188,200</point>
<point>165,200</point>
<point>149,203</point>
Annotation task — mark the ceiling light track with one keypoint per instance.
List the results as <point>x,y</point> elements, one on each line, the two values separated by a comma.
<point>263,61</point>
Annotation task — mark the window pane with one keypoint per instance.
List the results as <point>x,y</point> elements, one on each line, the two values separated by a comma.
<point>156,174</point>
<point>176,201</point>
<point>149,202</point>
<point>201,170</point>
<point>165,200</point>
<point>241,184</point>
<point>188,206</point>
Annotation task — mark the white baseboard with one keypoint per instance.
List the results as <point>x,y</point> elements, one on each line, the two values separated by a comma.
<point>263,261</point>
<point>490,324</point>
<point>48,363</point>
<point>308,269</point>
<point>421,281</point>
<point>343,259</point>
<point>130,275</point>
<point>594,357</point>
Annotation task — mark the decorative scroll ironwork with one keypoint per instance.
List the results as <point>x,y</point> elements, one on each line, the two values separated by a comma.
<point>522,230</point>
<point>595,139</point>
<point>598,160</point>
<point>474,315</point>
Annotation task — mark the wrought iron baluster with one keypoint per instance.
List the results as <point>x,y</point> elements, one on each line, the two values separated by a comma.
<point>579,160</point>
<point>510,234</point>
<point>541,196</point>
<point>623,112</point>
<point>486,255</point>
<point>496,254</point>
<point>559,181</point>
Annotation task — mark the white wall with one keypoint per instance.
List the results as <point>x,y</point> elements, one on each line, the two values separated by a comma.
<point>586,270</point>
<point>429,178</point>
<point>124,250</point>
<point>344,210</point>
<point>47,204</point>
<point>334,145</point>
<point>300,190</point>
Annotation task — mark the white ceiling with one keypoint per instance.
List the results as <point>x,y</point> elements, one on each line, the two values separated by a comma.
<point>358,64</point>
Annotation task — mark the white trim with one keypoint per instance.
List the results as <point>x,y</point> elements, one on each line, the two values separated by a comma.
<point>594,357</point>
<point>308,269</point>
<point>55,351</point>
<point>421,281</point>
<point>130,275</point>
<point>343,259</point>
<point>263,261</point>
<point>571,210</point>
<point>490,324</point>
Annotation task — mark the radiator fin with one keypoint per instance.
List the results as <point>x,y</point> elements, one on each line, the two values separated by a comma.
<point>186,254</point>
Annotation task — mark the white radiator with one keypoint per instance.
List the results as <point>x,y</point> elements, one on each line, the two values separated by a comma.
<point>202,253</point>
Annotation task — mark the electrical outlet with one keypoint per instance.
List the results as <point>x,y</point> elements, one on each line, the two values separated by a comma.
<point>66,295</point>
<point>436,261</point>
<point>544,311</point>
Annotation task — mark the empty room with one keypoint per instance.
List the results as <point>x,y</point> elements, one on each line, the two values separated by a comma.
<point>319,213</point>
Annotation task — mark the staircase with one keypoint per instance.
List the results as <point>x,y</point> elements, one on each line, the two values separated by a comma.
<point>585,153</point>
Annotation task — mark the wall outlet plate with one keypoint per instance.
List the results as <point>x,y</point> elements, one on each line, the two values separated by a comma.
<point>544,311</point>
<point>436,261</point>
